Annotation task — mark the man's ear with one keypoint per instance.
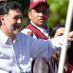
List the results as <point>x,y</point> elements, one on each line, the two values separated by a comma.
<point>29,14</point>
<point>2,19</point>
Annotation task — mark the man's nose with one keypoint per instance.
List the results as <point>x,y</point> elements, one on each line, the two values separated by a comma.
<point>19,20</point>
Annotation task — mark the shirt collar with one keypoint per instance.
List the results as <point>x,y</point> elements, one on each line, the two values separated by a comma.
<point>3,37</point>
<point>40,28</point>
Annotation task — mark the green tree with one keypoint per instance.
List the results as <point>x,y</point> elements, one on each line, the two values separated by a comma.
<point>58,12</point>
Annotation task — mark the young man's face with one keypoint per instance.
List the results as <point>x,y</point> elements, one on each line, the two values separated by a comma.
<point>39,15</point>
<point>12,21</point>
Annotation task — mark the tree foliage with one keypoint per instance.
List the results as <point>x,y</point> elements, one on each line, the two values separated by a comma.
<point>58,12</point>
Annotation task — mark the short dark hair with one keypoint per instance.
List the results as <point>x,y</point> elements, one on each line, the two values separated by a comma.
<point>55,28</point>
<point>6,6</point>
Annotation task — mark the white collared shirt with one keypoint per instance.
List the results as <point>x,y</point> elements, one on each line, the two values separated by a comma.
<point>16,56</point>
<point>44,31</point>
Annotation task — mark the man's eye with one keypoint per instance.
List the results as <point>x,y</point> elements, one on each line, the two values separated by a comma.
<point>44,11</point>
<point>18,17</point>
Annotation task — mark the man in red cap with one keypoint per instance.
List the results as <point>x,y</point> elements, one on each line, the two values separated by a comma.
<point>38,14</point>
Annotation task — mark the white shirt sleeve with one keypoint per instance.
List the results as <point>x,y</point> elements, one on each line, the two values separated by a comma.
<point>49,47</point>
<point>2,71</point>
<point>41,48</point>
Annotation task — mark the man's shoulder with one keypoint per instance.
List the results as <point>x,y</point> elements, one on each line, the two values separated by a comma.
<point>26,30</point>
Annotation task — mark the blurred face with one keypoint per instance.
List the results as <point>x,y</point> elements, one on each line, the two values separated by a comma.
<point>11,22</point>
<point>39,15</point>
<point>59,32</point>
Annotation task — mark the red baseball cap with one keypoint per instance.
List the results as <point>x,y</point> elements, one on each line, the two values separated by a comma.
<point>34,3</point>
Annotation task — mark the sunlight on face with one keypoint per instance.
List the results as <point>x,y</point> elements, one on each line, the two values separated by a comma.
<point>39,15</point>
<point>59,32</point>
<point>13,21</point>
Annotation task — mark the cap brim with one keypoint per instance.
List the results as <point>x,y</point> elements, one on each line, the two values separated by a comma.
<point>32,5</point>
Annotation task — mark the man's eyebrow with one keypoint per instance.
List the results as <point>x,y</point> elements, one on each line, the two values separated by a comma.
<point>20,16</point>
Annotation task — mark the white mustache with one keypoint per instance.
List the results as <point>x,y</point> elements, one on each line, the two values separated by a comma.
<point>17,26</point>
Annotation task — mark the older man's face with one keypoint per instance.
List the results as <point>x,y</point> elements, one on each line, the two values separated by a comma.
<point>12,21</point>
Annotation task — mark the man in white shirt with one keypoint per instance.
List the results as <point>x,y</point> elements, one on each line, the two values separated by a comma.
<point>17,49</point>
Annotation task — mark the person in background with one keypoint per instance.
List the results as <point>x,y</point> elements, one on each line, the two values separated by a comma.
<point>16,48</point>
<point>58,30</point>
<point>38,15</point>
<point>52,65</point>
<point>37,28</point>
